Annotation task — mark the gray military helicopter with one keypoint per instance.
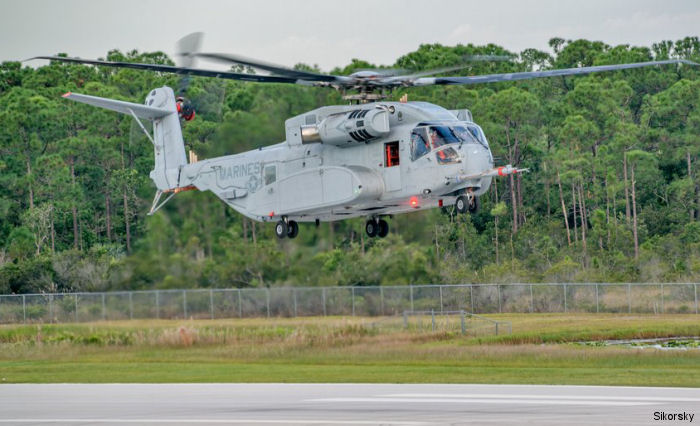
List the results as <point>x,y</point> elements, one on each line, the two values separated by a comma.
<point>371,158</point>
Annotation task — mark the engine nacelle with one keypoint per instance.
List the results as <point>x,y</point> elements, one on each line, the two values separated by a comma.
<point>360,125</point>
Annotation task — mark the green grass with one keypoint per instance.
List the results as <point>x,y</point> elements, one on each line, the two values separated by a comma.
<point>350,350</point>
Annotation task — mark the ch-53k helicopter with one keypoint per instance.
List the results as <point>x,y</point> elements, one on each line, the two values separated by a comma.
<point>371,158</point>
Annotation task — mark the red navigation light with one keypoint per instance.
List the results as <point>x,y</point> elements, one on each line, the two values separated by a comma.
<point>413,201</point>
<point>440,202</point>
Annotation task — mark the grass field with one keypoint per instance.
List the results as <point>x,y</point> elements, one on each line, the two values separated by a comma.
<point>332,349</point>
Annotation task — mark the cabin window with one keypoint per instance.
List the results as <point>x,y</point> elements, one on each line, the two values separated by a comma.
<point>391,154</point>
<point>270,174</point>
<point>419,144</point>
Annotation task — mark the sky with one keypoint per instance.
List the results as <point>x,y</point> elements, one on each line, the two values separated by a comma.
<point>330,33</point>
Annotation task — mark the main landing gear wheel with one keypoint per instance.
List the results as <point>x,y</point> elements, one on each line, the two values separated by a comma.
<point>371,227</point>
<point>293,229</point>
<point>281,229</point>
<point>377,228</point>
<point>383,228</point>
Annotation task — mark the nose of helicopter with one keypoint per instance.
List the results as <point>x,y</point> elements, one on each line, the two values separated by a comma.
<point>475,158</point>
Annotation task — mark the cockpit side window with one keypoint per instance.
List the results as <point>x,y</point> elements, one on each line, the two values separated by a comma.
<point>419,144</point>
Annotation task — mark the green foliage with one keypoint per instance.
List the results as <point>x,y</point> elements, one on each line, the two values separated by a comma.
<point>74,188</point>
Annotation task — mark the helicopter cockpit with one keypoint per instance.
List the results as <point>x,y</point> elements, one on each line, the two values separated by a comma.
<point>441,138</point>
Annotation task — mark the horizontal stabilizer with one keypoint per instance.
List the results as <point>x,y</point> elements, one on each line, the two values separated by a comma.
<point>140,110</point>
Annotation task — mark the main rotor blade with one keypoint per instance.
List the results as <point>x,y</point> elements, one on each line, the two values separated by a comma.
<point>180,70</point>
<point>426,73</point>
<point>267,66</point>
<point>492,78</point>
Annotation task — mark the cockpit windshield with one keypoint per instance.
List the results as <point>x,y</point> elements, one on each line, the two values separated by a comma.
<point>441,135</point>
<point>427,138</point>
<point>478,134</point>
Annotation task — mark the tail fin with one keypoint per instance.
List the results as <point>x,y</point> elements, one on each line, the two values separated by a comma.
<point>160,107</point>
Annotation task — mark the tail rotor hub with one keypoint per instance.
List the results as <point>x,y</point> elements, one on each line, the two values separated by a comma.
<point>185,109</point>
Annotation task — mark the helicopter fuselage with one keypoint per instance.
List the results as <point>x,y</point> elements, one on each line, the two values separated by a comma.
<point>340,162</point>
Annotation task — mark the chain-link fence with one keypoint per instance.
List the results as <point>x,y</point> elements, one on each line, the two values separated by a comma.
<point>355,301</point>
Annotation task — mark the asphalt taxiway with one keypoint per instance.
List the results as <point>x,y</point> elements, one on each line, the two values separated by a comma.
<point>341,404</point>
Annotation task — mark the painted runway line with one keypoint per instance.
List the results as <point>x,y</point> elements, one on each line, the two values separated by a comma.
<point>485,401</point>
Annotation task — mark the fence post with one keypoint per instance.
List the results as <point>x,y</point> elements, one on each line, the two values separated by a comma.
<point>597,309</point>
<point>695,288</point>
<point>471,295</point>
<point>405,319</point>
<point>662,298</point>
<point>184,303</point>
<point>323,297</point>
<point>498,292</point>
<point>294,296</point>
<point>240,304</point>
<point>532,300</point>
<point>131,305</point>
<point>440,298</point>
<point>432,317</point>
<point>410,289</point>
<point>157,304</point>
<point>211,302</point>
<point>381,299</point>
<point>629,298</point>
<point>463,323</point>
<point>497,329</point>
<point>51,307</point>
<point>267,300</point>
<point>353,300</point>
<point>104,308</point>
<point>24,308</point>
<point>565,307</point>
<point>75,305</point>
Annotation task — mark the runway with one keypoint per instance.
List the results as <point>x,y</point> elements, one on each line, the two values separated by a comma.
<point>342,404</point>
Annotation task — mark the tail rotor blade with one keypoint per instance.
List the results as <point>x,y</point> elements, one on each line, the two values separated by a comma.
<point>187,48</point>
<point>186,52</point>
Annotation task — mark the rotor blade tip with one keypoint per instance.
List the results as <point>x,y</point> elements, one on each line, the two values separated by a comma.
<point>65,95</point>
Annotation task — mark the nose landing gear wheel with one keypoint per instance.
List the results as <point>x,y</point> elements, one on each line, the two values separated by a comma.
<point>382,228</point>
<point>281,229</point>
<point>462,204</point>
<point>473,205</point>
<point>293,229</point>
<point>371,227</point>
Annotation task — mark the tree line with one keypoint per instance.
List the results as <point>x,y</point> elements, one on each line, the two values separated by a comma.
<point>613,193</point>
